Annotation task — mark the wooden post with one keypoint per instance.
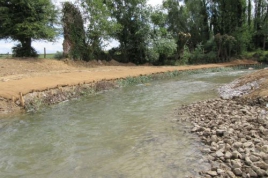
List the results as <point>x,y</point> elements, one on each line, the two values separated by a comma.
<point>45,55</point>
<point>22,103</point>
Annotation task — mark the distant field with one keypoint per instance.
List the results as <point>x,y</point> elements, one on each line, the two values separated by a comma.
<point>48,56</point>
<point>41,56</point>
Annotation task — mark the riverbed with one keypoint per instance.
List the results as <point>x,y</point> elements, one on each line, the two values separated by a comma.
<point>126,132</point>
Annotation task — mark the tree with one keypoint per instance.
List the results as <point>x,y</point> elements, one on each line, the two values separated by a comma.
<point>198,21</point>
<point>100,26</point>
<point>74,44</point>
<point>133,16</point>
<point>228,15</point>
<point>260,23</point>
<point>163,43</point>
<point>25,21</point>
<point>176,23</point>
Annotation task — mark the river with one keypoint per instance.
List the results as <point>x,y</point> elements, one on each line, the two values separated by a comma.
<point>126,132</point>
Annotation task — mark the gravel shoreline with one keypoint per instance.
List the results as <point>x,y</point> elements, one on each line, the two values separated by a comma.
<point>234,130</point>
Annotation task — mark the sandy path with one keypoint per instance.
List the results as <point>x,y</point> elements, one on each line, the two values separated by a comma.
<point>10,87</point>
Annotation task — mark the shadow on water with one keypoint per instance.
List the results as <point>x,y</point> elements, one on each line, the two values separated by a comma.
<point>126,132</point>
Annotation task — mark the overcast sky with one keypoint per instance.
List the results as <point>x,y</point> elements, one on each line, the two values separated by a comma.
<point>6,46</point>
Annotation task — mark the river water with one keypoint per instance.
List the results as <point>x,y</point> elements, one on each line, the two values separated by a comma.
<point>126,132</point>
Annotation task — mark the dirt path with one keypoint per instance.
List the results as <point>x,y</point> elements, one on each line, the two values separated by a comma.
<point>26,76</point>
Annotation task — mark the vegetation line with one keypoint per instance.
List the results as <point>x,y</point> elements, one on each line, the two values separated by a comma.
<point>36,100</point>
<point>176,32</point>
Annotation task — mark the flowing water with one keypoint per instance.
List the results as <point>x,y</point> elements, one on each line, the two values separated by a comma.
<point>127,132</point>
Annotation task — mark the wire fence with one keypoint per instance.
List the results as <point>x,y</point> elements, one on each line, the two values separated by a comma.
<point>41,56</point>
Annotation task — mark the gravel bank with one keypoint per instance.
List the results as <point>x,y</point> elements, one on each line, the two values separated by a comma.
<point>234,130</point>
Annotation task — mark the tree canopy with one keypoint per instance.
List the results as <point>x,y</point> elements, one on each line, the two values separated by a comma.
<point>25,21</point>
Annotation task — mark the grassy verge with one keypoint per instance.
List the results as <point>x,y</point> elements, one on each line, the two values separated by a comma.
<point>41,56</point>
<point>48,56</point>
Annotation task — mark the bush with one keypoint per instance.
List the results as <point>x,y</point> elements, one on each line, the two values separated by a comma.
<point>199,57</point>
<point>59,55</point>
<point>185,58</point>
<point>263,59</point>
<point>260,56</point>
<point>211,57</point>
<point>20,51</point>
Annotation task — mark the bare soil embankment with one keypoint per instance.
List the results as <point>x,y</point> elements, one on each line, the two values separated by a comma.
<point>19,77</point>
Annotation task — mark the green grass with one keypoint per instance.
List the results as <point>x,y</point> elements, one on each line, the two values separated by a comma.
<point>41,56</point>
<point>48,56</point>
<point>4,56</point>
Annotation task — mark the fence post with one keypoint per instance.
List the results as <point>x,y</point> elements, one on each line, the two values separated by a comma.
<point>45,55</point>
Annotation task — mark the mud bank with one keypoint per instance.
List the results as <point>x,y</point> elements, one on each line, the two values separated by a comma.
<point>234,129</point>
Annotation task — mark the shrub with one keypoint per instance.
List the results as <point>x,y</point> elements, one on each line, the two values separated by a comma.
<point>59,55</point>
<point>185,58</point>
<point>263,58</point>
<point>199,57</point>
<point>20,51</point>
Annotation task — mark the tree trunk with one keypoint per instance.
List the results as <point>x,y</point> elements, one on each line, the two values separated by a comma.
<point>264,42</point>
<point>25,50</point>
<point>205,21</point>
<point>249,13</point>
<point>26,44</point>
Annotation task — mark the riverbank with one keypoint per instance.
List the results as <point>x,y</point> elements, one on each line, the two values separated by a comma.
<point>234,128</point>
<point>23,82</point>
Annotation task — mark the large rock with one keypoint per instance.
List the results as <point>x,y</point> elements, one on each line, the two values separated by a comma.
<point>228,155</point>
<point>237,171</point>
<point>219,153</point>
<point>261,165</point>
<point>236,155</point>
<point>236,163</point>
<point>237,145</point>
<point>254,158</point>
<point>212,173</point>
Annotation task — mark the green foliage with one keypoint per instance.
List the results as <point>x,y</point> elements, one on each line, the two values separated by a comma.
<point>25,21</point>
<point>101,25</point>
<point>261,56</point>
<point>74,44</point>
<point>133,17</point>
<point>165,46</point>
<point>200,57</point>
<point>167,34</point>
<point>59,55</point>
<point>225,46</point>
<point>243,38</point>
<point>264,59</point>
<point>228,15</point>
<point>260,24</point>
<point>185,58</point>
<point>21,51</point>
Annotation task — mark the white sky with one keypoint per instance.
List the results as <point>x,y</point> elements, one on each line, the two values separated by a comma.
<point>52,47</point>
